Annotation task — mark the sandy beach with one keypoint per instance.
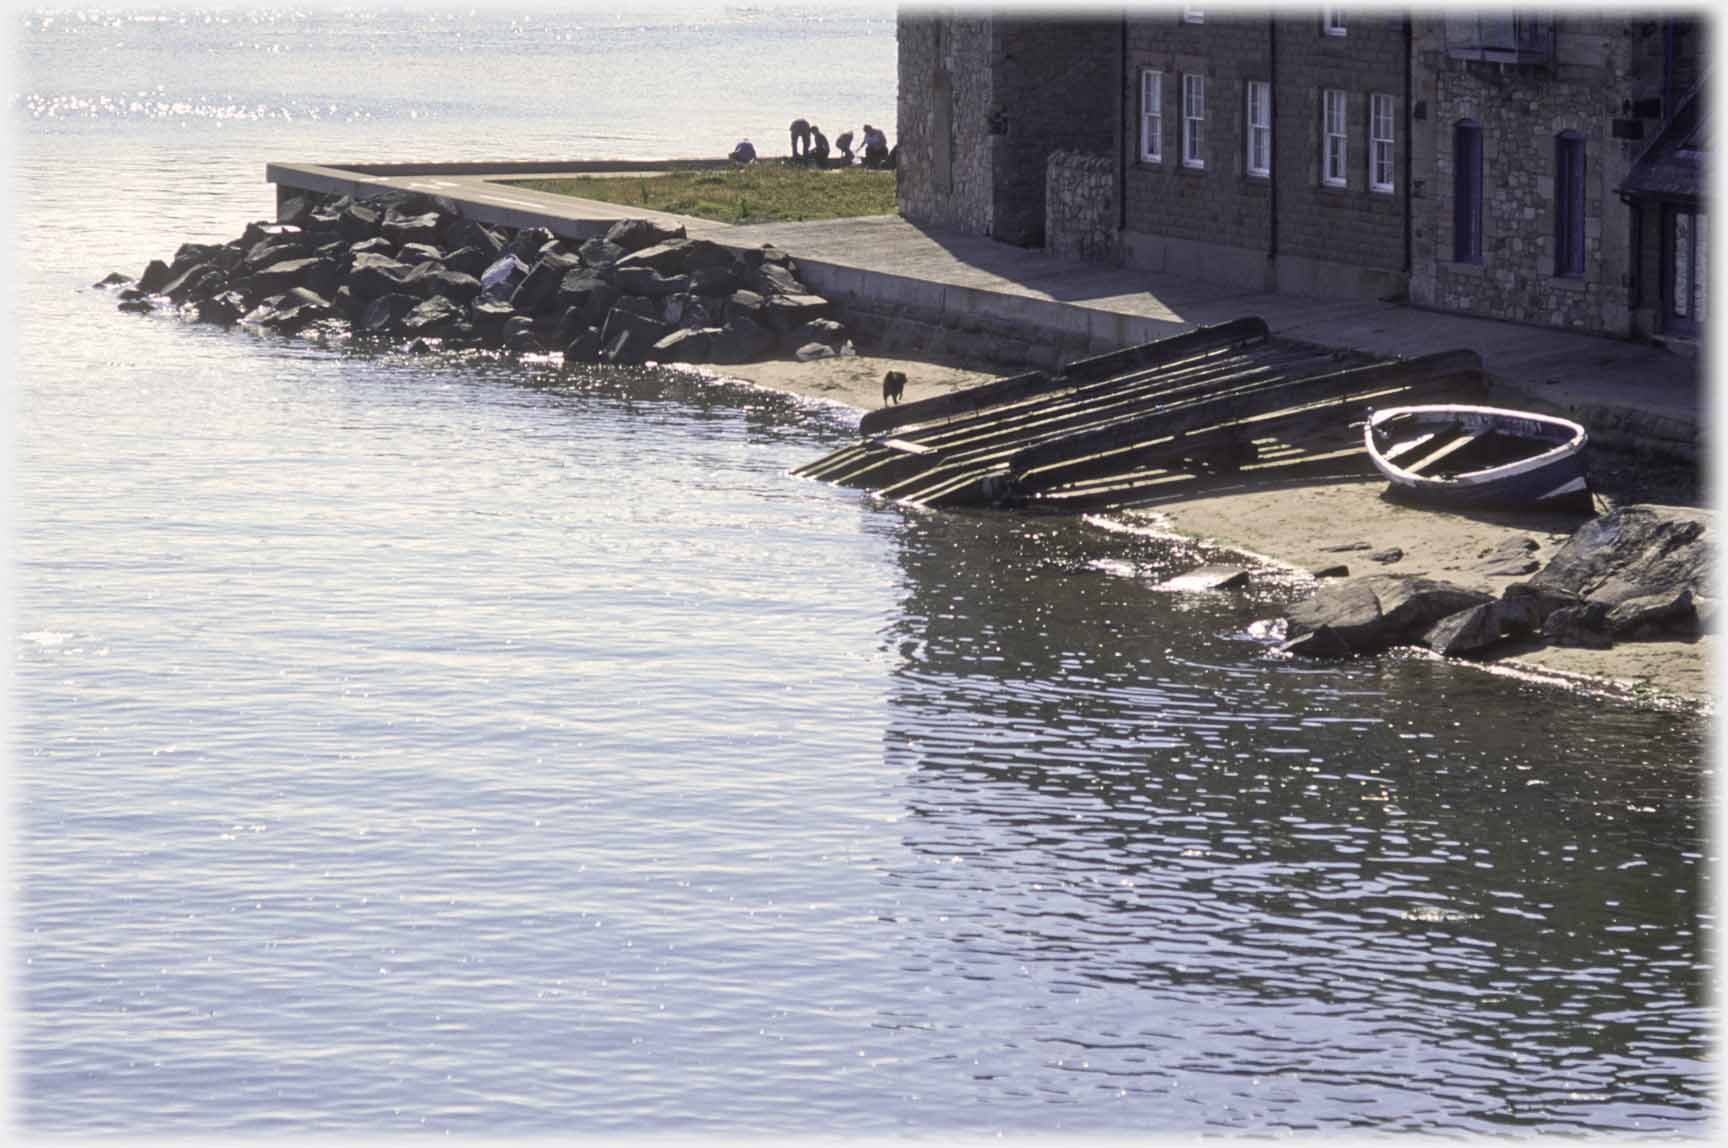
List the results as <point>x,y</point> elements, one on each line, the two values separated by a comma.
<point>1307,526</point>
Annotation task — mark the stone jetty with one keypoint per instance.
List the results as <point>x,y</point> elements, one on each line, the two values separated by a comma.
<point>409,267</point>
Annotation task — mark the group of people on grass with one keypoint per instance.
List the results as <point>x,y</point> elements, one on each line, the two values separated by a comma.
<point>810,146</point>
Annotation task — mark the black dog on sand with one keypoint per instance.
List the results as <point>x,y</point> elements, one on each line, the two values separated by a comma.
<point>893,386</point>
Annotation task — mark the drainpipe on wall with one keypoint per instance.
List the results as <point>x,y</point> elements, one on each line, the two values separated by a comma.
<point>1123,136</point>
<point>1635,277</point>
<point>1272,184</point>
<point>1409,147</point>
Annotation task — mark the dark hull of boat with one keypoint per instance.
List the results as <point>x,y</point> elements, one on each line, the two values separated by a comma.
<point>1548,471</point>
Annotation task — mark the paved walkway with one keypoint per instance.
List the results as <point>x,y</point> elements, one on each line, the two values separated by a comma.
<point>1617,386</point>
<point>1628,393</point>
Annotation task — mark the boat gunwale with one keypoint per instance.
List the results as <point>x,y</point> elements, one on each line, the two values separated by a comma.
<point>1572,446</point>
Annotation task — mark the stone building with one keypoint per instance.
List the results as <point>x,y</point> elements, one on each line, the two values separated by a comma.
<point>1542,167</point>
<point>983,102</point>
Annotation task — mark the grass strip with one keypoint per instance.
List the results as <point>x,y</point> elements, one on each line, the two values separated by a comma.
<point>770,192</point>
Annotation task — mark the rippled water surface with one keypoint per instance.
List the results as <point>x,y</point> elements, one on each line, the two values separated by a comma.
<point>483,746</point>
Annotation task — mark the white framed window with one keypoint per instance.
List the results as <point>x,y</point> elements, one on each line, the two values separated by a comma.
<point>1332,21</point>
<point>1259,128</point>
<point>1151,116</point>
<point>1336,140</point>
<point>1193,15</point>
<point>1193,120</point>
<point>1380,142</point>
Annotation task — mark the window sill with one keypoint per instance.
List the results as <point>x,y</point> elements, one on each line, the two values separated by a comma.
<point>1470,270</point>
<point>1384,190</point>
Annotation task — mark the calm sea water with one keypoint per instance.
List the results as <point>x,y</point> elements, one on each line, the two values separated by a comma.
<point>481,746</point>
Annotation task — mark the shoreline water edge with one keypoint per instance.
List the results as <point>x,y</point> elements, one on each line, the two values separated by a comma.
<point>412,268</point>
<point>1303,528</point>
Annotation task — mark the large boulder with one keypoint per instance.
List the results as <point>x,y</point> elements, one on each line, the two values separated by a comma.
<point>526,244</point>
<point>376,245</point>
<point>1382,610</point>
<point>786,313</point>
<point>590,293</point>
<point>1524,606</point>
<point>583,347</point>
<point>156,276</point>
<point>741,340</point>
<point>1585,625</point>
<point>190,254</point>
<point>720,280</point>
<point>384,315</point>
<point>489,315</point>
<point>420,253</point>
<point>1634,552</point>
<point>500,280</point>
<point>290,311</point>
<point>274,249</point>
<point>745,304</point>
<point>434,316</point>
<point>282,276</point>
<point>470,260</point>
<point>519,334</point>
<point>773,279</point>
<point>224,309</point>
<point>678,256</point>
<point>200,281</point>
<point>648,281</point>
<point>635,234</point>
<point>429,279</point>
<point>402,229</point>
<point>538,291</point>
<point>266,229</point>
<point>691,345</point>
<point>1669,613</point>
<point>470,233</point>
<point>374,275</point>
<point>1466,632</point>
<point>686,310</point>
<point>600,254</point>
<point>644,332</point>
<point>296,209</point>
<point>357,221</point>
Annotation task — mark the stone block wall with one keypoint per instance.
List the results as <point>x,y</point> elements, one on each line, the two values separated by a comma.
<point>1054,89</point>
<point>1080,206</point>
<point>1288,230</point>
<point>1352,225</point>
<point>946,92</point>
<point>1219,203</point>
<point>983,101</point>
<point>1591,78</point>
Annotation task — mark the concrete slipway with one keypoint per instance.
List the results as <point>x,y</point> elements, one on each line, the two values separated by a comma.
<point>1633,395</point>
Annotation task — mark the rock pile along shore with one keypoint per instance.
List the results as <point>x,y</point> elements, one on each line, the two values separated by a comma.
<point>1637,573</point>
<point>405,266</point>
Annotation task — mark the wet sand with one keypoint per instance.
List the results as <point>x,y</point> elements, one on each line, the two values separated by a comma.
<point>1302,526</point>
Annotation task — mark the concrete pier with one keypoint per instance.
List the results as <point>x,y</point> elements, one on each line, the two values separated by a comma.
<point>916,290</point>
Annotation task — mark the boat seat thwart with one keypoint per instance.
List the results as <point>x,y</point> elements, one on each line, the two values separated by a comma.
<point>1450,448</point>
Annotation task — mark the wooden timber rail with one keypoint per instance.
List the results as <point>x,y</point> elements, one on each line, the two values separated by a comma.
<point>1226,403</point>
